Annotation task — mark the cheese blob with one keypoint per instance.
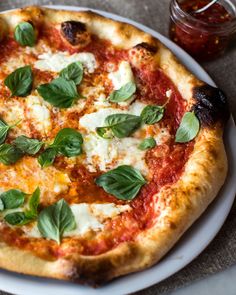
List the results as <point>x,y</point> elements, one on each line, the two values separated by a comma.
<point>56,62</point>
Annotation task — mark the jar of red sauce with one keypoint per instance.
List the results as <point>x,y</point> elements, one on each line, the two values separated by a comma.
<point>204,35</point>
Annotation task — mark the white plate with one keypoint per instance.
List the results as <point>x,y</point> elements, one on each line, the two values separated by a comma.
<point>191,245</point>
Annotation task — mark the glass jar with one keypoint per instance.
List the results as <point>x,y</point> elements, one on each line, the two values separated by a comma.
<point>206,35</point>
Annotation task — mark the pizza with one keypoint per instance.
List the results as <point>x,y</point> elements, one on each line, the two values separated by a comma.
<point>109,148</point>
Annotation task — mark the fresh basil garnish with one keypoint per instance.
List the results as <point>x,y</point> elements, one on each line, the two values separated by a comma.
<point>55,220</point>
<point>152,114</point>
<point>73,72</point>
<point>22,218</point>
<point>104,132</point>
<point>16,218</point>
<point>60,92</point>
<point>9,154</point>
<point>4,128</point>
<point>147,143</point>
<point>20,81</point>
<point>12,199</point>
<point>124,93</point>
<point>28,145</point>
<point>47,157</point>
<point>25,34</point>
<point>32,212</point>
<point>124,182</point>
<point>188,129</point>
<point>121,125</point>
<point>1,205</point>
<point>68,142</point>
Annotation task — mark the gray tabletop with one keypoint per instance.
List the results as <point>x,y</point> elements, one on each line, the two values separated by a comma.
<point>221,253</point>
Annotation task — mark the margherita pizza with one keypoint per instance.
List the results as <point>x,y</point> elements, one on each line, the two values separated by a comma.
<point>109,148</point>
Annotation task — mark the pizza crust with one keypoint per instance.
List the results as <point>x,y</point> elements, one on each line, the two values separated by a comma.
<point>183,203</point>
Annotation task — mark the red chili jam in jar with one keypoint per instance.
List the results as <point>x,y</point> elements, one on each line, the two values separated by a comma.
<point>204,35</point>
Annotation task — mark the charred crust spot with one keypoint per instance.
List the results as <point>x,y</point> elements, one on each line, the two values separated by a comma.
<point>150,48</point>
<point>142,53</point>
<point>211,105</point>
<point>75,33</point>
<point>3,29</point>
<point>173,225</point>
<point>213,153</point>
<point>197,189</point>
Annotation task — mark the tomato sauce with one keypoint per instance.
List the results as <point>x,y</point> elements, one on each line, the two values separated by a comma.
<point>105,53</point>
<point>154,85</point>
<point>102,49</point>
<point>7,48</point>
<point>166,163</point>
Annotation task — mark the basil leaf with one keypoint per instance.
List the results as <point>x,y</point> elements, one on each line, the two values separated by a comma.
<point>152,114</point>
<point>9,154</point>
<point>60,92</point>
<point>25,34</point>
<point>122,125</point>
<point>188,129</point>
<point>68,142</point>
<point>55,220</point>
<point>47,157</point>
<point>124,93</point>
<point>12,199</point>
<point>28,145</point>
<point>104,132</point>
<point>73,72</point>
<point>1,205</point>
<point>17,218</point>
<point>4,128</point>
<point>147,143</point>
<point>20,81</point>
<point>33,205</point>
<point>123,182</point>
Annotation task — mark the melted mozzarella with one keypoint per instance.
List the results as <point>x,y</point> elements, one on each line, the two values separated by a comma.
<point>101,101</point>
<point>121,77</point>
<point>85,221</point>
<point>56,62</point>
<point>99,152</point>
<point>162,136</point>
<point>109,210</point>
<point>130,154</point>
<point>104,154</point>
<point>39,113</point>
<point>92,216</point>
<point>136,108</point>
<point>32,230</point>
<point>12,112</point>
<point>93,120</point>
<point>87,217</point>
<point>13,63</point>
<point>168,93</point>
